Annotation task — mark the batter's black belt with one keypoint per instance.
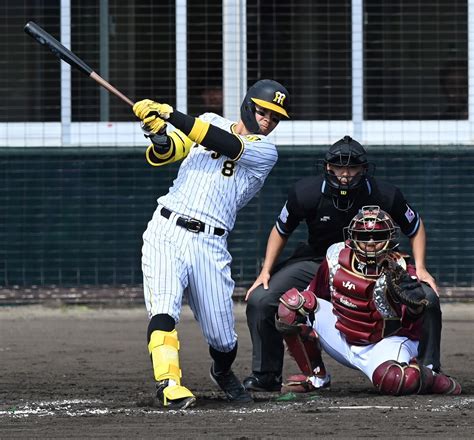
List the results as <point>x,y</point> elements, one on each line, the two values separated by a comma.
<point>191,224</point>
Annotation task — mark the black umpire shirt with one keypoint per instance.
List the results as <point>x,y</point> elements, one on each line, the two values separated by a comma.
<point>310,200</point>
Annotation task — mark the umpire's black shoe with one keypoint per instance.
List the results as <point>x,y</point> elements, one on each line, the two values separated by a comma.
<point>268,382</point>
<point>230,384</point>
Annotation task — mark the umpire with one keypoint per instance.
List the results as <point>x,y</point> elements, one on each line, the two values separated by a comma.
<point>327,203</point>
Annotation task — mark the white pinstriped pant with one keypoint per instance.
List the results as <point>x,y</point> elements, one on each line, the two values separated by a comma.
<point>364,358</point>
<point>177,262</point>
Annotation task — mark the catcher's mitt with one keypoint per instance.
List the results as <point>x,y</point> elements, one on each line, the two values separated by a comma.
<point>402,288</point>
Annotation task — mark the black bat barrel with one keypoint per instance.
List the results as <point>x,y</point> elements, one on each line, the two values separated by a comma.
<point>45,39</point>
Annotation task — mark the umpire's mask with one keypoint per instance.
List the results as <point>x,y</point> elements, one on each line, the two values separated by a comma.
<point>345,153</point>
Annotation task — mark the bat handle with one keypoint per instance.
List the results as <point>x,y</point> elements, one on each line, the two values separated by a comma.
<point>96,77</point>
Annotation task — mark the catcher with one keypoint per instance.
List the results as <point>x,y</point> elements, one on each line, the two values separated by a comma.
<point>371,316</point>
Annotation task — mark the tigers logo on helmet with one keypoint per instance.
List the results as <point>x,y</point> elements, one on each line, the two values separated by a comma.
<point>279,98</point>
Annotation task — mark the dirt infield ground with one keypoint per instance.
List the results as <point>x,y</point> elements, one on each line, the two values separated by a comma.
<point>78,372</point>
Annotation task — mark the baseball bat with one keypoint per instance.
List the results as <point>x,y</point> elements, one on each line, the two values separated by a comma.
<point>63,53</point>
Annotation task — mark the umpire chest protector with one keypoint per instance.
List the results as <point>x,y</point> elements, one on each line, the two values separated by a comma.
<point>363,312</point>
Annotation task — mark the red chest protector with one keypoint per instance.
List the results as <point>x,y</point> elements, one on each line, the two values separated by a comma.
<point>358,317</point>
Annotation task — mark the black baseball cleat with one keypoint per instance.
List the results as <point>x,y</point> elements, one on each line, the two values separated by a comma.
<point>267,382</point>
<point>230,384</point>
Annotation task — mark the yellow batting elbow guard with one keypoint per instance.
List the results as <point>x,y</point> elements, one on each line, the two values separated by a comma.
<point>182,144</point>
<point>156,159</point>
<point>180,147</point>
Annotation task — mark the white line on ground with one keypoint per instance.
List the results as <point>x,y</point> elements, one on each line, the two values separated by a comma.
<point>82,407</point>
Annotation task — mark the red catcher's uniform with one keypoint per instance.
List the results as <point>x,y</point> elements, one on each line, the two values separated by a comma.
<point>359,327</point>
<point>364,314</point>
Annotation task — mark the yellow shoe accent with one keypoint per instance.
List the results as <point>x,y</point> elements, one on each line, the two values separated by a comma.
<point>175,392</point>
<point>174,396</point>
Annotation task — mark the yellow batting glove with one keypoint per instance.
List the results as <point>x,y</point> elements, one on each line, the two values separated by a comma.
<point>142,108</point>
<point>154,127</point>
<point>147,109</point>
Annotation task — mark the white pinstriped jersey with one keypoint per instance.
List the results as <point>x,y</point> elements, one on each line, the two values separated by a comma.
<point>212,188</point>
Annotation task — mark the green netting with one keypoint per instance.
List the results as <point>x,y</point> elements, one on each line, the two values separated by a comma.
<point>76,217</point>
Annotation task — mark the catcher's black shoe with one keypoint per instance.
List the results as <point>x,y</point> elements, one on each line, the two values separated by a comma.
<point>173,396</point>
<point>230,384</point>
<point>268,382</point>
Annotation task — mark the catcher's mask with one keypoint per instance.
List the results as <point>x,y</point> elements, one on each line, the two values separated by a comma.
<point>372,234</point>
<point>345,153</point>
<point>265,93</point>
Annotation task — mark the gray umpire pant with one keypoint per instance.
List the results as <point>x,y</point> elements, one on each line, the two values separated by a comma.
<point>429,350</point>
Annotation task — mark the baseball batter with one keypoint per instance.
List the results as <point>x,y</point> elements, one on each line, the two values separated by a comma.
<point>371,320</point>
<point>184,250</point>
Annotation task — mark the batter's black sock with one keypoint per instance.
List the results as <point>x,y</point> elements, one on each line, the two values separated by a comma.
<point>161,322</point>
<point>222,361</point>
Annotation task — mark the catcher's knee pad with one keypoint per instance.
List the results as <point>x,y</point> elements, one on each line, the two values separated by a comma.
<point>163,348</point>
<point>295,307</point>
<point>392,377</point>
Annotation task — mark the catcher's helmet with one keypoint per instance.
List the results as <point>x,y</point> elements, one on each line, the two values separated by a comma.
<point>372,234</point>
<point>345,153</point>
<point>268,94</point>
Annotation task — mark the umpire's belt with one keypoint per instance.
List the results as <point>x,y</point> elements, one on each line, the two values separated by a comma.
<point>191,224</point>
